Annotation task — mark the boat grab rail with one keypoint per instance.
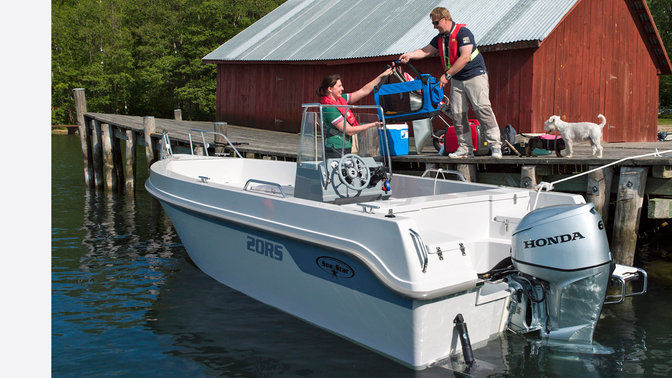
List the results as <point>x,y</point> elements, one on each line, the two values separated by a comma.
<point>205,144</point>
<point>442,171</point>
<point>274,184</point>
<point>421,248</point>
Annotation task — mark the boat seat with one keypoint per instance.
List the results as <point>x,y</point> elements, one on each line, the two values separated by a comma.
<point>620,277</point>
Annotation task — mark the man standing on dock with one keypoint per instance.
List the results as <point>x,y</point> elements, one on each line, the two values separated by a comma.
<point>461,60</point>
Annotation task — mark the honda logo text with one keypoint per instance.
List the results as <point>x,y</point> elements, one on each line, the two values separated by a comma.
<point>559,239</point>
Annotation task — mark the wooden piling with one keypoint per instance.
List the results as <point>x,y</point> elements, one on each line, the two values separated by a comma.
<point>631,185</point>
<point>117,158</point>
<point>177,113</point>
<point>599,189</point>
<point>108,157</point>
<point>130,167</point>
<point>84,136</point>
<point>468,171</point>
<point>97,153</point>
<point>220,141</point>
<point>528,177</point>
<point>149,125</point>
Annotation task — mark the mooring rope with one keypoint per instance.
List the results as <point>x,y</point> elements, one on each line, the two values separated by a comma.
<point>549,185</point>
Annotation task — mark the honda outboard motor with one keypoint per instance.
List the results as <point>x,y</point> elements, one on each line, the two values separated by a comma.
<point>563,259</point>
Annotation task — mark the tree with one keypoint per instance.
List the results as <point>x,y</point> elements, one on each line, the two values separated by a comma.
<point>142,57</point>
<point>662,16</point>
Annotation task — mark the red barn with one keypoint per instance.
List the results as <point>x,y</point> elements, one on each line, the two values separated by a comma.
<point>573,58</point>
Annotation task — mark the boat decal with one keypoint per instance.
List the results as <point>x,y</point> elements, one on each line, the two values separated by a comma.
<point>336,267</point>
<point>265,247</point>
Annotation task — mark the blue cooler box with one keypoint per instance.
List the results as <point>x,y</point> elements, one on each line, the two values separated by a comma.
<point>397,139</point>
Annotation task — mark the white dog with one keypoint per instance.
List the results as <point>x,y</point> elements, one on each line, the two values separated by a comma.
<point>578,132</point>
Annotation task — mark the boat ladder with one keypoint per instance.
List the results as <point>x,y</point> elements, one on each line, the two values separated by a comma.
<point>166,150</point>
<point>621,276</point>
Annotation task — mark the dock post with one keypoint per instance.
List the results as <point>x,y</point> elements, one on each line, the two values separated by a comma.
<point>468,171</point>
<point>149,125</point>
<point>528,177</point>
<point>177,113</point>
<point>631,185</point>
<point>84,136</point>
<point>129,168</point>
<point>220,142</point>
<point>599,189</point>
<point>116,154</point>
<point>108,157</point>
<point>97,153</point>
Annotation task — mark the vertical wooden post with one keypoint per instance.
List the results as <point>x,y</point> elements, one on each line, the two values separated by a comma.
<point>631,185</point>
<point>177,114</point>
<point>117,158</point>
<point>220,142</point>
<point>599,190</point>
<point>149,125</point>
<point>528,177</point>
<point>130,160</point>
<point>97,153</point>
<point>468,171</point>
<point>108,158</point>
<point>80,108</point>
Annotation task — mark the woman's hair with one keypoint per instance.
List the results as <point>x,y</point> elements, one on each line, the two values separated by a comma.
<point>328,81</point>
<point>439,13</point>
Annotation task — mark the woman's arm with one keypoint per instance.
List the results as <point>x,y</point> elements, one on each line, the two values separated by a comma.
<point>368,88</point>
<point>352,130</point>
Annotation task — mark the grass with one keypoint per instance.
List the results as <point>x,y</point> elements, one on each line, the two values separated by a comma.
<point>665,123</point>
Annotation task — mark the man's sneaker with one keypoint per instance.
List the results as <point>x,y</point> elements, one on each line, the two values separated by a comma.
<point>496,153</point>
<point>461,153</point>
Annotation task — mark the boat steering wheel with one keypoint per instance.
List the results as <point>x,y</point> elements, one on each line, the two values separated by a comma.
<point>353,172</point>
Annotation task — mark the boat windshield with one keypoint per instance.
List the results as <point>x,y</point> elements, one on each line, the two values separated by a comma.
<point>320,140</point>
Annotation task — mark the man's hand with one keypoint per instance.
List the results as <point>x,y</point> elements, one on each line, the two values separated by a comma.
<point>443,81</point>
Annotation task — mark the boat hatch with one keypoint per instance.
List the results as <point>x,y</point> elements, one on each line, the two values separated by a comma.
<point>353,172</point>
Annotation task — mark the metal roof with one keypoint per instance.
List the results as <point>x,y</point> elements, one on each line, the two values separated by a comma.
<point>301,30</point>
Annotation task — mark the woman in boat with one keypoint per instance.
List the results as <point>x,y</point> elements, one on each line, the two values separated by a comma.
<point>335,119</point>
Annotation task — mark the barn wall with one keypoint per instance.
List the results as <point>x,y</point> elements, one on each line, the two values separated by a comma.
<point>510,76</point>
<point>594,62</point>
<point>269,96</point>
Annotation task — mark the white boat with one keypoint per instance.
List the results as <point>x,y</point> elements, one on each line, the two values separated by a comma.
<point>397,263</point>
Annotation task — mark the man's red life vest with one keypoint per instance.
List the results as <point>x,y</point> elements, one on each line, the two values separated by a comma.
<point>341,101</point>
<point>452,48</point>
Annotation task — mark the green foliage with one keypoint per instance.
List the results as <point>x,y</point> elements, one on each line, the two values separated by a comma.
<point>662,16</point>
<point>142,57</point>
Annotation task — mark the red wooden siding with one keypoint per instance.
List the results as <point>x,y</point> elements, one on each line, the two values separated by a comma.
<point>596,62</point>
<point>269,96</point>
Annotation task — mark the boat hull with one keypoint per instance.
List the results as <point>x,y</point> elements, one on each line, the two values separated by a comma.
<point>336,291</point>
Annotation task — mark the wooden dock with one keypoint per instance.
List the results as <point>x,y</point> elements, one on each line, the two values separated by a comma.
<point>629,182</point>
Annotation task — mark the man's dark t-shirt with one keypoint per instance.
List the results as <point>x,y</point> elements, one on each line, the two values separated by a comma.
<point>473,68</point>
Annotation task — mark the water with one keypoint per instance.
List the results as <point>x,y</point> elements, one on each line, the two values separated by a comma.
<point>126,301</point>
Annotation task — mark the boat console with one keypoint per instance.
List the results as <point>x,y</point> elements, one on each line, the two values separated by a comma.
<point>352,177</point>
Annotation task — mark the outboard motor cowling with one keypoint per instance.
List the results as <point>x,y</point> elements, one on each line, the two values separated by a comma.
<point>562,251</point>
